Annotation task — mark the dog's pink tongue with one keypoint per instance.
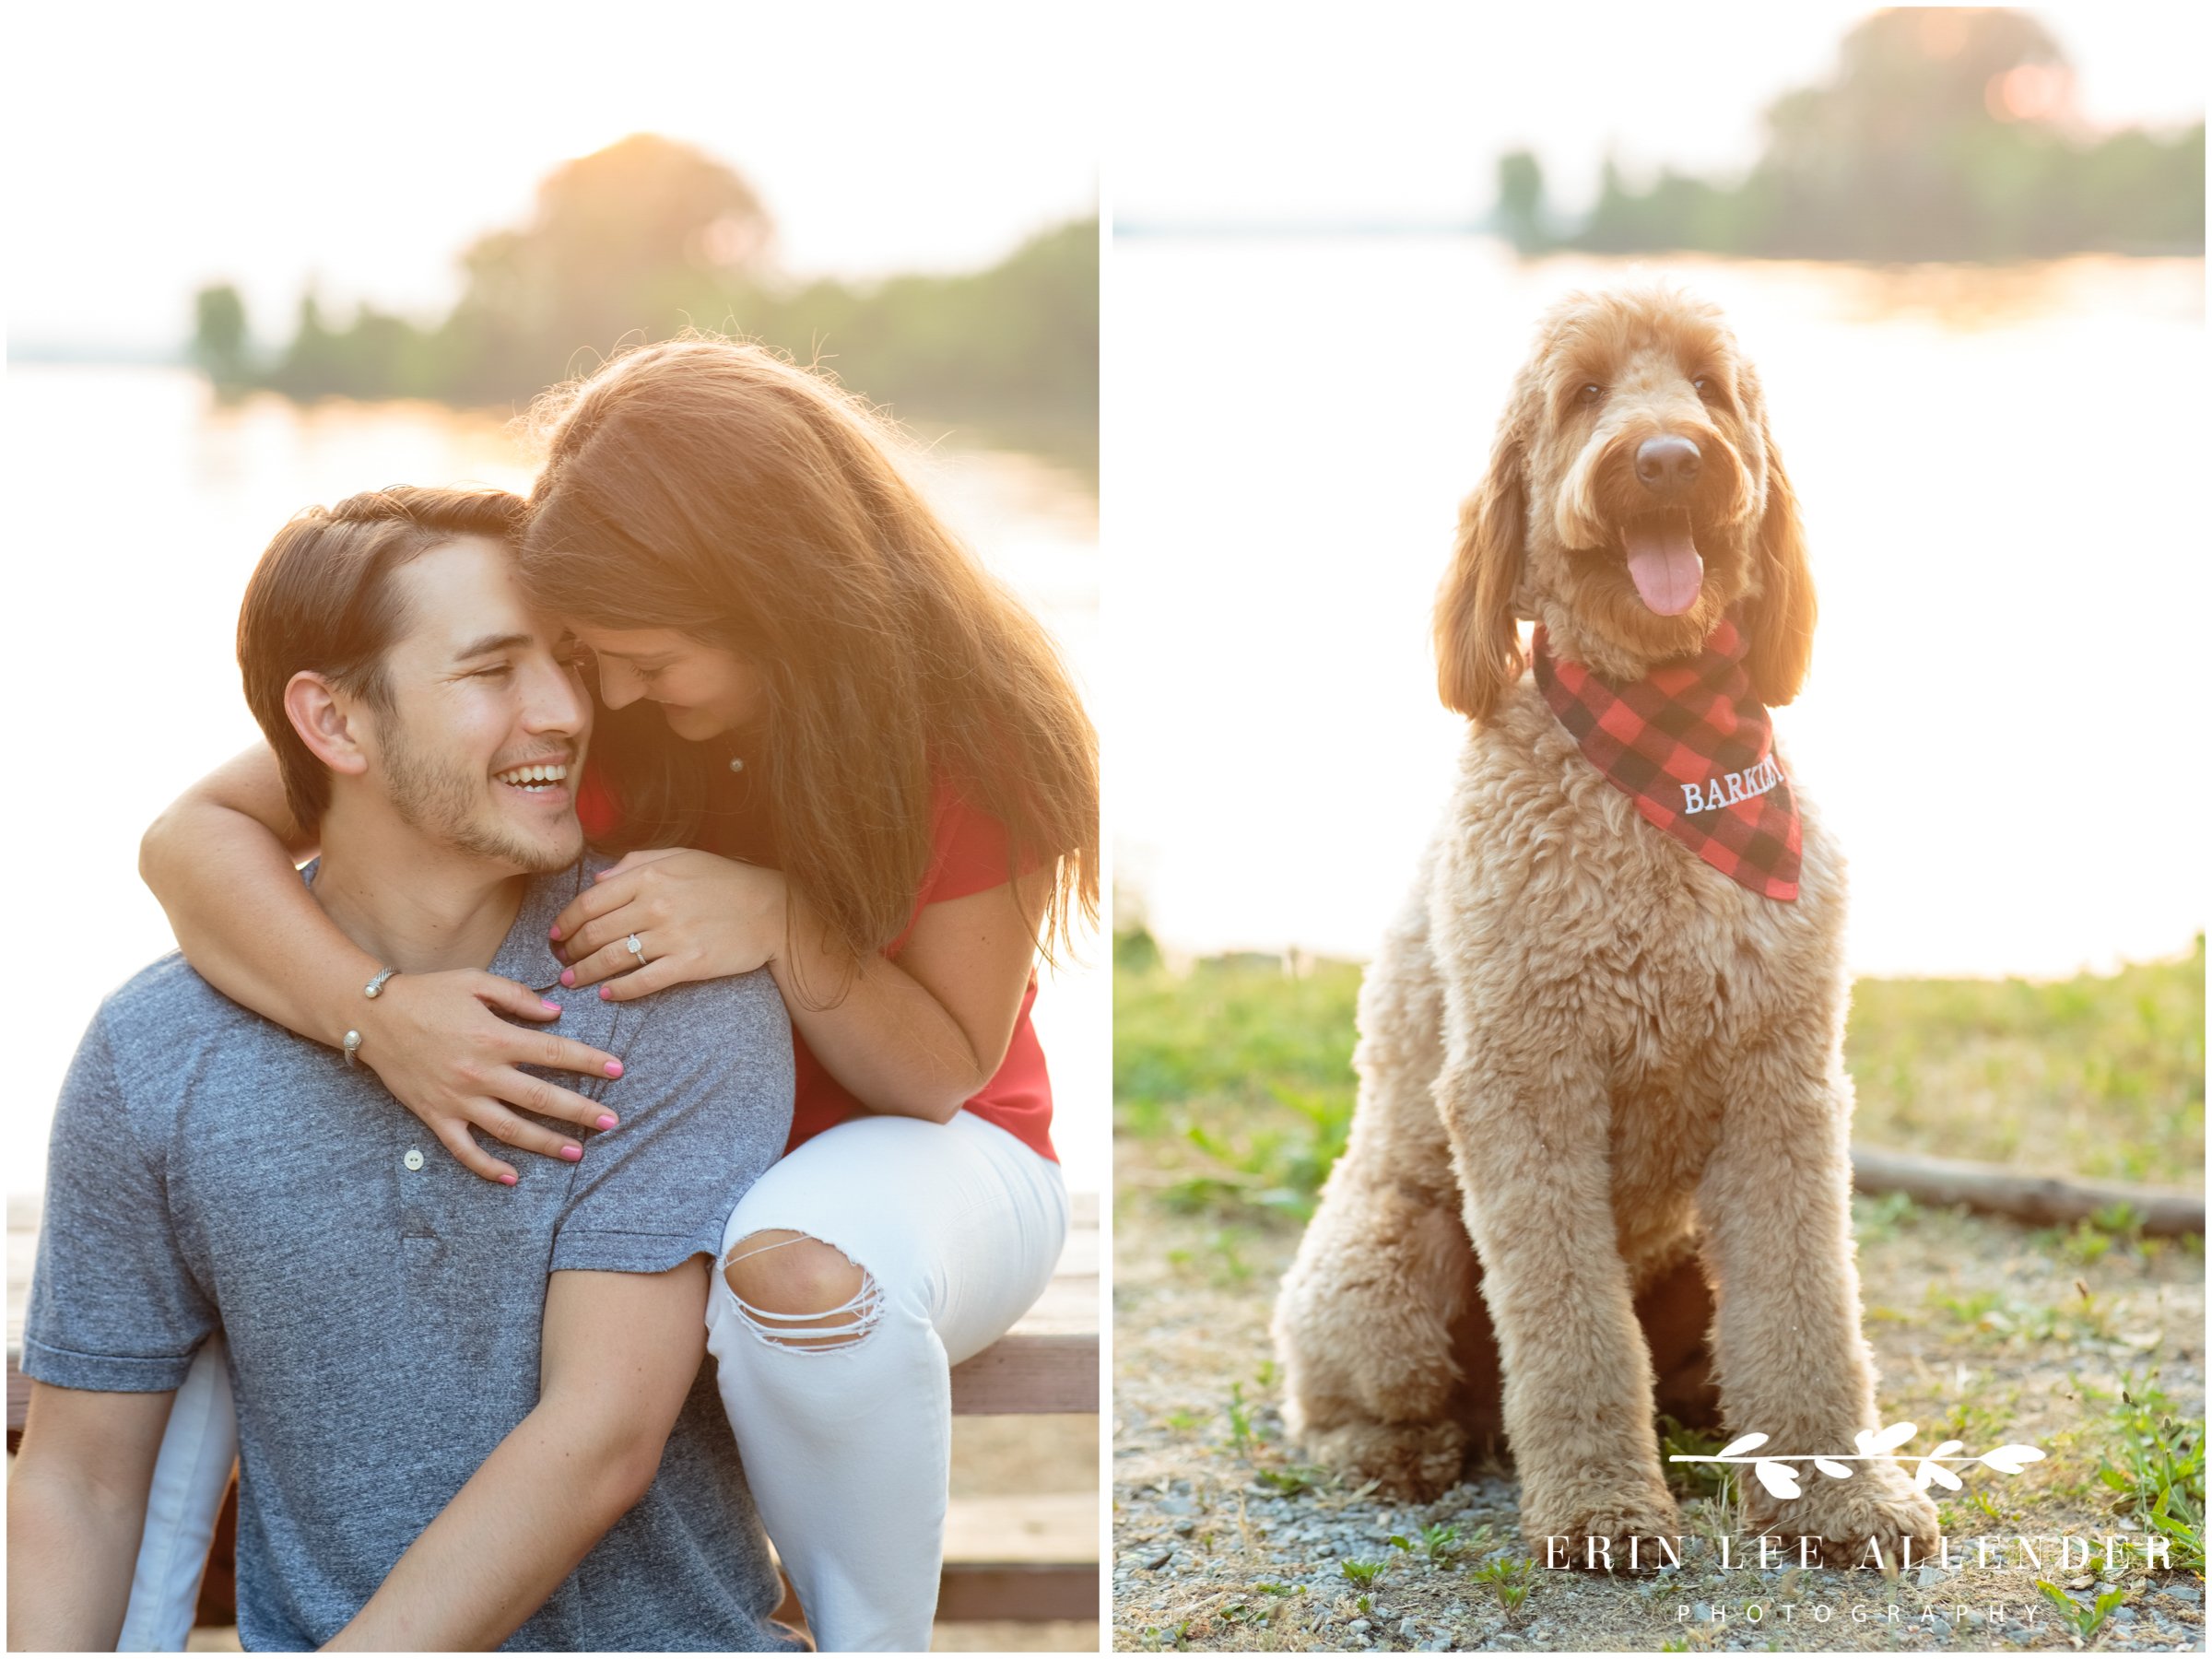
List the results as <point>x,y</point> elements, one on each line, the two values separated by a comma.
<point>1663,562</point>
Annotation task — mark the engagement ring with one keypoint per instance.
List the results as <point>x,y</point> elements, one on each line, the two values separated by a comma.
<point>637,948</point>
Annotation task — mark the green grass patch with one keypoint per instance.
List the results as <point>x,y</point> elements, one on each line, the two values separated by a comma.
<point>1999,1318</point>
<point>1693,1479</point>
<point>1512,1580</point>
<point>1439,1543</point>
<point>2153,1466</point>
<point>1235,1077</point>
<point>2098,1075</point>
<point>1881,1217</point>
<point>2085,1617</point>
<point>1291,1481</point>
<point>1240,1075</point>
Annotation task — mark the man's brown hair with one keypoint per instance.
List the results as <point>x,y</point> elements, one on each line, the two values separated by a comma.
<point>321,601</point>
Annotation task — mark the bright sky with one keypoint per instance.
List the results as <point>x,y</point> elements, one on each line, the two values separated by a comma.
<point>159,146</point>
<point>1396,112</point>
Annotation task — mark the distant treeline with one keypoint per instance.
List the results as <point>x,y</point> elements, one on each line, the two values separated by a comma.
<point>1943,136</point>
<point>648,236</point>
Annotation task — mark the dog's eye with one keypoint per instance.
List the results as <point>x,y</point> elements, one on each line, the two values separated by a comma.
<point>1590,393</point>
<point>1706,388</point>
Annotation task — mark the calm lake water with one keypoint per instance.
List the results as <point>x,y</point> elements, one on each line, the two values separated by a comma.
<point>1998,470</point>
<point>139,510</point>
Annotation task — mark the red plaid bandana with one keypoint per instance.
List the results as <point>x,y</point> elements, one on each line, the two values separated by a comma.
<point>1694,748</point>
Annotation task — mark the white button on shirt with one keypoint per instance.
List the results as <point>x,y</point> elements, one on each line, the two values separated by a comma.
<point>413,1159</point>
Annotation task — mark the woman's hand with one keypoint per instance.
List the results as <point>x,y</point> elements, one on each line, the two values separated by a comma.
<point>434,1041</point>
<point>697,916</point>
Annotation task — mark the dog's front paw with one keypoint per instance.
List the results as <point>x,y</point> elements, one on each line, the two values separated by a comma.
<point>1876,1509</point>
<point>1602,1531</point>
<point>1416,1461</point>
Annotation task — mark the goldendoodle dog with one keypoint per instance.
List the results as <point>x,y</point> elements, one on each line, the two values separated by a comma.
<point>1604,1039</point>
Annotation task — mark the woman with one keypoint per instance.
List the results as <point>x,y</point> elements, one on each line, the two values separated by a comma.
<point>866,772</point>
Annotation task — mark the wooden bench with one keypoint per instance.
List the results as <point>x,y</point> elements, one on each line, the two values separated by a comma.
<point>1033,1558</point>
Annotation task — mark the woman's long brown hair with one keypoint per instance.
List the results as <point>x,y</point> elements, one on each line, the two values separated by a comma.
<point>712,487</point>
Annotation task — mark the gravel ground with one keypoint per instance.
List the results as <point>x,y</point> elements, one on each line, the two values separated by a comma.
<point>1983,1330</point>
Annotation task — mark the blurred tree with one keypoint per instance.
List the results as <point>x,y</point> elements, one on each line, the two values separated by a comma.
<point>1943,135</point>
<point>317,362</point>
<point>219,334</point>
<point>648,236</point>
<point>1520,211</point>
<point>1020,337</point>
<point>305,368</point>
<point>627,240</point>
<point>1894,159</point>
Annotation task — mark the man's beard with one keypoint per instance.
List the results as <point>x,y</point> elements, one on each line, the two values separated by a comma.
<point>445,804</point>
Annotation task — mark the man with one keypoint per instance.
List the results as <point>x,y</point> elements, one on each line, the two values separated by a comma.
<point>467,1413</point>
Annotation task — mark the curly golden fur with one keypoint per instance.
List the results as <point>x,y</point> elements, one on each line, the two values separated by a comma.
<point>1613,1070</point>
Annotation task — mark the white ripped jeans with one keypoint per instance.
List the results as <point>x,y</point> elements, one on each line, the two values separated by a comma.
<point>847,1447</point>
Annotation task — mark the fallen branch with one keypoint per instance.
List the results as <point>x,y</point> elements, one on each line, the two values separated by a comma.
<point>2049,1200</point>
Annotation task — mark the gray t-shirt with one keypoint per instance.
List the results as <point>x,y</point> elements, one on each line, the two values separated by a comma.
<point>209,1169</point>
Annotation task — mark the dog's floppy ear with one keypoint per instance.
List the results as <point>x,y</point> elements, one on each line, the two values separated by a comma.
<point>1478,641</point>
<point>1780,621</point>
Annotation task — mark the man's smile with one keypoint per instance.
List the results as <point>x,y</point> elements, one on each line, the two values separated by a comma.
<point>541,779</point>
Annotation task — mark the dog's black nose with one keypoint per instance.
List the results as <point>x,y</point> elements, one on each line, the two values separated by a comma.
<point>1668,467</point>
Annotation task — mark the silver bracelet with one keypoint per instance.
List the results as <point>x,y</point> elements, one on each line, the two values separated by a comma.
<point>372,990</point>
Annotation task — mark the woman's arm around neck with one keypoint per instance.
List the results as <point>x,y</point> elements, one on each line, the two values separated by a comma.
<point>220,859</point>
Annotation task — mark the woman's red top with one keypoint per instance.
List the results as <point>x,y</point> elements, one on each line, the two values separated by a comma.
<point>969,857</point>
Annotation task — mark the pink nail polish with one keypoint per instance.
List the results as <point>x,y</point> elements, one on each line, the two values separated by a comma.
<point>507,1180</point>
<point>556,930</point>
<point>606,1121</point>
<point>549,1005</point>
<point>568,977</point>
<point>571,1153</point>
<point>614,1069</point>
<point>604,995</point>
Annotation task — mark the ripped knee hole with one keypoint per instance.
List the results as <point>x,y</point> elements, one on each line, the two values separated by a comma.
<point>796,1292</point>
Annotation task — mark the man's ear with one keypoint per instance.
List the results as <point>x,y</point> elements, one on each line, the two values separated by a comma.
<point>326,720</point>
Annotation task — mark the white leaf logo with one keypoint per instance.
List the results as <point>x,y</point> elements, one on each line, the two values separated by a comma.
<point>1875,1445</point>
<point>1931,1467</point>
<point>1872,1446</point>
<point>1778,1478</point>
<point>1935,1472</point>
